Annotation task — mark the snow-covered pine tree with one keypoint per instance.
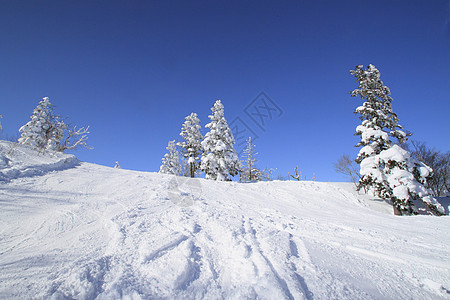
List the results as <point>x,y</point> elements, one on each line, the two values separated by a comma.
<point>385,170</point>
<point>45,130</point>
<point>406,178</point>
<point>191,147</point>
<point>378,121</point>
<point>171,160</point>
<point>219,159</point>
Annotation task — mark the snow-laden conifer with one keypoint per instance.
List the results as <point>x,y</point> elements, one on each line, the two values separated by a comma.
<point>171,160</point>
<point>379,122</point>
<point>386,169</point>
<point>405,179</point>
<point>46,131</point>
<point>191,147</point>
<point>219,160</point>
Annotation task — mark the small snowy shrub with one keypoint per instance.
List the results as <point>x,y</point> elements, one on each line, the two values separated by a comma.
<point>171,161</point>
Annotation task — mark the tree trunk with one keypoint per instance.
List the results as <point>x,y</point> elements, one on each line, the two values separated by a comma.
<point>192,165</point>
<point>397,211</point>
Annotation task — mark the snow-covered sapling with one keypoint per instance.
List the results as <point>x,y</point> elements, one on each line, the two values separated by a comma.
<point>171,160</point>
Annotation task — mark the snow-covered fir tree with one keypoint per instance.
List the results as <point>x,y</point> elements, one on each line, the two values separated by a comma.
<point>191,147</point>
<point>171,161</point>
<point>386,170</point>
<point>219,160</point>
<point>405,178</point>
<point>379,122</point>
<point>46,131</point>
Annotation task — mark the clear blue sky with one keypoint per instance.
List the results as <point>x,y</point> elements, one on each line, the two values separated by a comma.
<point>133,70</point>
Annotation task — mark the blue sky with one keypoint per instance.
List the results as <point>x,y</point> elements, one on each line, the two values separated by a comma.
<point>133,70</point>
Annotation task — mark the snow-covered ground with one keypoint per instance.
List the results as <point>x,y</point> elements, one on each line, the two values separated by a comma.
<point>74,230</point>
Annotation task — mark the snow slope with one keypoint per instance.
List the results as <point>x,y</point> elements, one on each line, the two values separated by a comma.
<point>19,161</point>
<point>76,230</point>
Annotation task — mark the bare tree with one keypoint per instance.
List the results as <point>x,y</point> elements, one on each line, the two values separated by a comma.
<point>297,176</point>
<point>5,136</point>
<point>347,166</point>
<point>265,174</point>
<point>74,138</point>
<point>249,172</point>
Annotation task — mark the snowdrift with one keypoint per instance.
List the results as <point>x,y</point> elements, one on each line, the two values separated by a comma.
<point>20,161</point>
<point>73,230</point>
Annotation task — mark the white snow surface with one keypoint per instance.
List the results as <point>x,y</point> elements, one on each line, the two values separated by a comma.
<point>77,230</point>
<point>22,161</point>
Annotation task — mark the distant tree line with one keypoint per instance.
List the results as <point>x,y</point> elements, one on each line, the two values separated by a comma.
<point>212,154</point>
<point>410,175</point>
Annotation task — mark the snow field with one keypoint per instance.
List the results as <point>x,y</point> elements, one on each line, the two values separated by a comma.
<point>92,232</point>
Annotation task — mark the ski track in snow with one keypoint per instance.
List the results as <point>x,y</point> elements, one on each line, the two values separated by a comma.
<point>92,232</point>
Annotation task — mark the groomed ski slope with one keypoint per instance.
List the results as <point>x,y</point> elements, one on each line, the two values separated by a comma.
<point>74,230</point>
